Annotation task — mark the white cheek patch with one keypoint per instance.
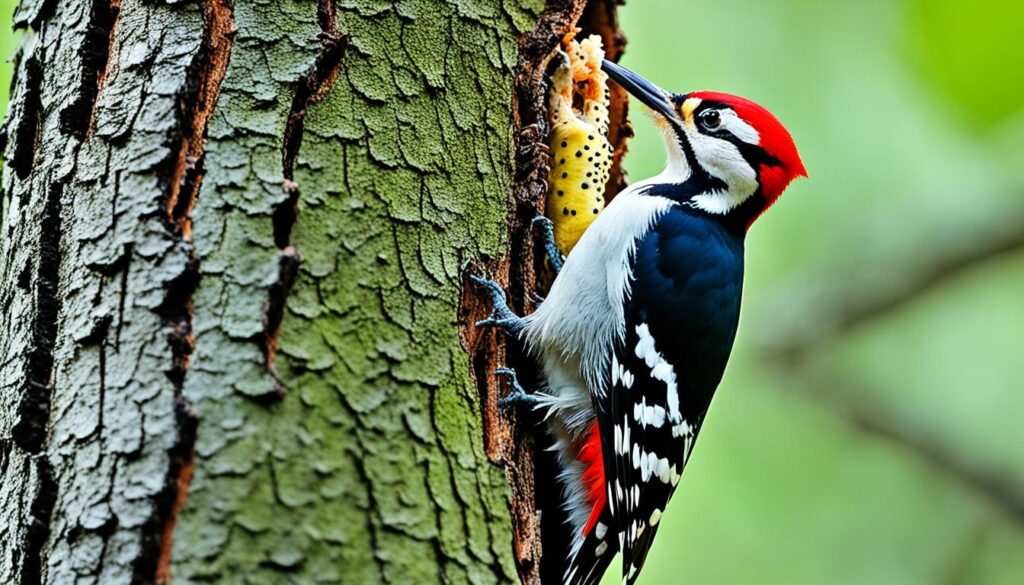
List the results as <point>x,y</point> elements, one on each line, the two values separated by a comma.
<point>739,128</point>
<point>721,159</point>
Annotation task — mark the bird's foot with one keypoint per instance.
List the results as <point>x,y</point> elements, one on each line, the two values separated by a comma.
<point>501,315</point>
<point>518,396</point>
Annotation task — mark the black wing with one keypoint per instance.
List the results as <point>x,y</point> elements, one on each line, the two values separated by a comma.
<point>681,320</point>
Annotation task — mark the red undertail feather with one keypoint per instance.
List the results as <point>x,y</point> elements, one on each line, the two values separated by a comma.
<point>593,475</point>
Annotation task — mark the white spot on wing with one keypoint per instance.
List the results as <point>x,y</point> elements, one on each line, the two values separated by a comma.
<point>664,470</point>
<point>627,379</point>
<point>615,370</point>
<point>654,416</point>
<point>645,345</point>
<point>660,370</point>
<point>648,416</point>
<point>645,468</point>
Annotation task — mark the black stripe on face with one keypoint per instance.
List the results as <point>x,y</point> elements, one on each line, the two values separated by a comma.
<point>752,153</point>
<point>699,181</point>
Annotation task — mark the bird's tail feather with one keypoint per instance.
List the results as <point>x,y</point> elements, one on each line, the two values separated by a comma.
<point>593,555</point>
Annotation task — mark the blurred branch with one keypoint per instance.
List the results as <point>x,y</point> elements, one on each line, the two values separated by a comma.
<point>872,418</point>
<point>803,317</point>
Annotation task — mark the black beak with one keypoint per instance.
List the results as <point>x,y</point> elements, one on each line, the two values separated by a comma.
<point>651,95</point>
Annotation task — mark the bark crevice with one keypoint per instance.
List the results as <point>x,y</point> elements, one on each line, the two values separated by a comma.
<point>197,107</point>
<point>277,297</point>
<point>77,117</point>
<point>312,88</point>
<point>25,137</point>
<point>39,528</point>
<point>31,429</point>
<point>29,432</point>
<point>208,71</point>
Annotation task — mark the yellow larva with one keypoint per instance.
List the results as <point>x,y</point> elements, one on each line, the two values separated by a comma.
<point>581,154</point>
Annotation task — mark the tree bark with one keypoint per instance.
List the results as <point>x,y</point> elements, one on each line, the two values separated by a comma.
<point>234,240</point>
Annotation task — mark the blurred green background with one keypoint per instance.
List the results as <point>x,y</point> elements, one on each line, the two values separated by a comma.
<point>7,43</point>
<point>889,449</point>
<point>871,426</point>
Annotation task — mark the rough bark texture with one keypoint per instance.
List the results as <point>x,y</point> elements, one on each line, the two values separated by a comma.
<point>96,425</point>
<point>234,237</point>
<point>343,442</point>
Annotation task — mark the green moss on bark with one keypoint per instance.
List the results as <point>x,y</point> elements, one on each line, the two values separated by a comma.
<point>371,467</point>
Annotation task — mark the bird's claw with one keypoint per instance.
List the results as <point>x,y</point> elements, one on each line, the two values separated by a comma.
<point>495,322</point>
<point>547,228</point>
<point>501,315</point>
<point>518,395</point>
<point>542,220</point>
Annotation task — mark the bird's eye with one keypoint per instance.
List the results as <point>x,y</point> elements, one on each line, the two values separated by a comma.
<point>710,119</point>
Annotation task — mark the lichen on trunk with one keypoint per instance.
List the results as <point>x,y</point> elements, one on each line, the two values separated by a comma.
<point>362,429</point>
<point>234,243</point>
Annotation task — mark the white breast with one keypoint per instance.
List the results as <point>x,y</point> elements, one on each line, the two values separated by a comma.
<point>582,316</point>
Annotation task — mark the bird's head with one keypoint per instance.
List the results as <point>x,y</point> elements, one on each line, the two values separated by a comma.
<point>726,155</point>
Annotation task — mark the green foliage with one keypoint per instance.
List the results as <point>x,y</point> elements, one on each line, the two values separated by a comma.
<point>970,52</point>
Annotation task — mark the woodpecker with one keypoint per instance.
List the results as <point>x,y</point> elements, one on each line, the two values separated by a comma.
<point>633,337</point>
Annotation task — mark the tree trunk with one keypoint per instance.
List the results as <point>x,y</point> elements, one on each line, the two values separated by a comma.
<point>234,239</point>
